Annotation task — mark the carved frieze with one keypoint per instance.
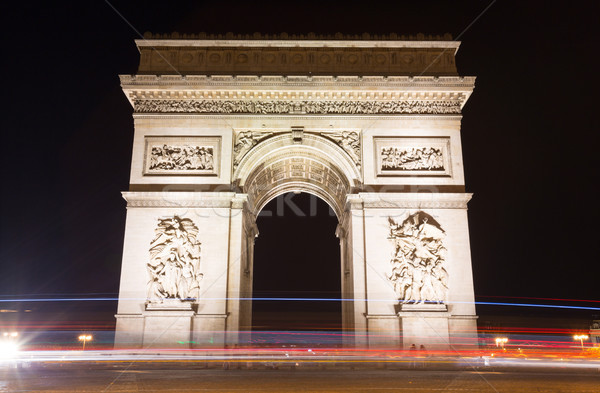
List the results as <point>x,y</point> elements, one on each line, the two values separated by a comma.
<point>424,158</point>
<point>181,158</point>
<point>349,141</point>
<point>418,262</point>
<point>174,261</point>
<point>181,155</point>
<point>412,156</point>
<point>265,107</point>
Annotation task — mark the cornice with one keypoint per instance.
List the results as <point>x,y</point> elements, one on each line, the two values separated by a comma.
<point>449,117</point>
<point>307,36</point>
<point>354,44</point>
<point>301,94</point>
<point>228,81</point>
<point>408,200</point>
<point>296,38</point>
<point>185,199</point>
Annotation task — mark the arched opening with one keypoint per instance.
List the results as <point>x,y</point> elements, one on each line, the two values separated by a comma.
<point>296,256</point>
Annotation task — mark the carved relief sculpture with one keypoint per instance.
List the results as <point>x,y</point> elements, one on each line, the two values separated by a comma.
<point>349,141</point>
<point>174,261</point>
<point>418,263</point>
<point>244,142</point>
<point>304,107</point>
<point>412,158</point>
<point>181,158</point>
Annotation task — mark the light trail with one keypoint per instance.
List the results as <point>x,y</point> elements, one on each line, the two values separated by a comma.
<point>304,356</point>
<point>303,299</point>
<point>539,298</point>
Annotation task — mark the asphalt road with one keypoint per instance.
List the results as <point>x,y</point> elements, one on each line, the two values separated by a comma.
<point>195,377</point>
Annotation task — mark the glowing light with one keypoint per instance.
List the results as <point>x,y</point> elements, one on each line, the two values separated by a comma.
<point>97,299</point>
<point>581,337</point>
<point>85,338</point>
<point>8,349</point>
<point>500,341</point>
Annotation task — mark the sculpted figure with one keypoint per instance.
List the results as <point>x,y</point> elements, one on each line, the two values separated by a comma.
<point>244,142</point>
<point>268,107</point>
<point>418,274</point>
<point>349,141</point>
<point>185,157</point>
<point>174,261</point>
<point>411,158</point>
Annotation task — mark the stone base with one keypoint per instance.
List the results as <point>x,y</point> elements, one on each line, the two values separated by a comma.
<point>424,326</point>
<point>463,331</point>
<point>169,305</point>
<point>383,331</point>
<point>422,307</point>
<point>168,329</point>
<point>165,326</point>
<point>129,331</point>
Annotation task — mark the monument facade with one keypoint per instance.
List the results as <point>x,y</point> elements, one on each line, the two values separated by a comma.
<point>224,124</point>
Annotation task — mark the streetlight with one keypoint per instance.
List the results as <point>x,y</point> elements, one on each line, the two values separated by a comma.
<point>9,347</point>
<point>580,337</point>
<point>500,341</point>
<point>85,338</point>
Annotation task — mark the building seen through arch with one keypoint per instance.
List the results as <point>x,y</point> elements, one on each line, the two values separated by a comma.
<point>223,126</point>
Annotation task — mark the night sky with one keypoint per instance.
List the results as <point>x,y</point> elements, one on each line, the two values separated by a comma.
<point>529,136</point>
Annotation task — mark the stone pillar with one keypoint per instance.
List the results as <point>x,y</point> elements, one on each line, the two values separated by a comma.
<point>215,220</point>
<point>357,264</point>
<point>239,309</point>
<point>436,308</point>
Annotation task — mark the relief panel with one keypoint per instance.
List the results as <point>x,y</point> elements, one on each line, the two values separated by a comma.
<point>174,261</point>
<point>182,156</point>
<point>418,271</point>
<point>412,156</point>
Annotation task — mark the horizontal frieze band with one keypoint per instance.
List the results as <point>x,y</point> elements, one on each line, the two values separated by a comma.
<point>298,107</point>
<point>185,199</point>
<point>409,200</point>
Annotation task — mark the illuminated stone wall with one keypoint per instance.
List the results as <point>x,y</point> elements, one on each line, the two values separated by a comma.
<point>213,150</point>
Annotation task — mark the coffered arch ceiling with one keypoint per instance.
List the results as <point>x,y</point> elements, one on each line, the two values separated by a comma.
<point>281,164</point>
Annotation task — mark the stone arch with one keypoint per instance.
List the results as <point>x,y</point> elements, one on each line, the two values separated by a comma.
<point>280,164</point>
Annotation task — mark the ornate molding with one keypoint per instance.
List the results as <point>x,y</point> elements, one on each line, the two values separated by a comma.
<point>298,107</point>
<point>459,83</point>
<point>298,37</point>
<point>408,200</point>
<point>185,199</point>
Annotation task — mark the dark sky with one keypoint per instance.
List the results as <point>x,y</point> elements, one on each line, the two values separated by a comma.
<point>529,131</point>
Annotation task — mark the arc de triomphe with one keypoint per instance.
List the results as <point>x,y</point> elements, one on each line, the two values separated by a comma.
<point>224,124</point>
